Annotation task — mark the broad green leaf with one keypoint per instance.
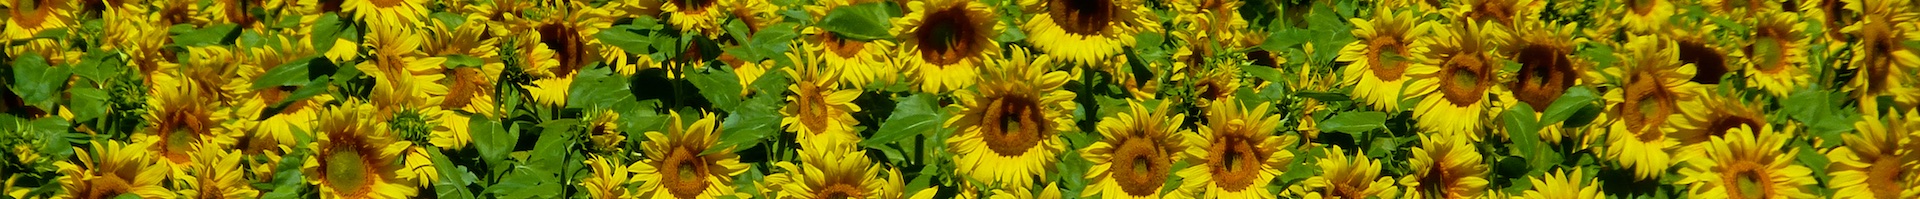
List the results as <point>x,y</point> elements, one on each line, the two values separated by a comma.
<point>1355,122</point>
<point>453,178</point>
<point>625,39</point>
<point>1521,128</point>
<point>463,61</point>
<point>100,66</point>
<point>52,33</point>
<point>1324,96</point>
<point>598,87</point>
<point>554,147</point>
<point>1264,73</point>
<point>325,28</point>
<point>913,115</point>
<point>865,21</point>
<point>720,87</point>
<point>217,34</point>
<point>288,74</point>
<point>491,140</point>
<point>1569,103</point>
<point>37,83</point>
<point>749,124</point>
<point>87,103</point>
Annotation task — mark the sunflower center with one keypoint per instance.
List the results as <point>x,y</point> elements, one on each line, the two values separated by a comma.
<point>180,130</point>
<point>1647,104</point>
<point>178,143</point>
<point>1721,125</point>
<point>1880,49</point>
<point>1768,52</point>
<point>948,36</point>
<point>1881,177</point>
<point>1710,63</point>
<point>106,187</point>
<point>1212,89</point>
<point>566,44</point>
<point>813,108</point>
<point>346,170</point>
<point>1139,168</point>
<point>1013,124</point>
<point>387,3</point>
<point>1389,68</point>
<point>684,173</point>
<point>468,83</point>
<point>845,48</point>
<point>1469,77</point>
<point>1837,18</point>
<point>1263,58</point>
<point>840,191</point>
<point>1545,73</point>
<point>1641,7</point>
<point>1748,180</point>
<point>1488,10</point>
<point>1235,163</point>
<point>1438,179</point>
<point>1082,17</point>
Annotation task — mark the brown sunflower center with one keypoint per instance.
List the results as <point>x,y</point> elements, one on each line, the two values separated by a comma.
<point>1263,58</point>
<point>180,130</point>
<point>346,170</point>
<point>1212,88</point>
<point>1468,77</point>
<point>1641,7</point>
<point>1882,175</point>
<point>1747,180</point>
<point>948,36</point>
<point>1013,124</point>
<point>1387,68</point>
<point>1647,105</point>
<point>1235,162</point>
<point>468,83</point>
<point>1139,167</point>
<point>1709,62</point>
<point>1545,73</point>
<point>693,6</point>
<point>567,47</point>
<point>1490,10</point>
<point>1438,180</point>
<point>1721,125</point>
<point>105,187</point>
<point>684,172</point>
<point>840,191</point>
<point>1837,17</point>
<point>813,109</point>
<point>1082,17</point>
<point>1880,49</point>
<point>841,47</point>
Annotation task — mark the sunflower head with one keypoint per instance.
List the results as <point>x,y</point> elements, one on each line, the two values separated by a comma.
<point>818,107</point>
<point>1775,55</point>
<point>1647,104</point>
<point>609,179</point>
<point>217,174</point>
<point>1379,58</point>
<point>1747,164</point>
<point>354,157</point>
<point>1138,152</point>
<point>1878,161</point>
<point>1445,166</point>
<point>388,13</point>
<point>946,41</point>
<point>1564,184</point>
<point>1880,55</point>
<point>1458,73</point>
<point>1347,175</point>
<point>1086,32</point>
<point>1240,151</point>
<point>836,170</point>
<point>112,169</point>
<point>1009,129</point>
<point>181,123</point>
<point>676,165</point>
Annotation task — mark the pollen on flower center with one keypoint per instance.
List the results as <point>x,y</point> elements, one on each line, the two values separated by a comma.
<point>1469,77</point>
<point>1082,17</point>
<point>1235,163</point>
<point>947,36</point>
<point>346,170</point>
<point>685,173</point>
<point>1545,73</point>
<point>1014,124</point>
<point>1139,167</point>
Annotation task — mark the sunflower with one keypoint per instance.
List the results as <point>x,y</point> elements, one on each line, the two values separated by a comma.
<point>1747,163</point>
<point>112,169</point>
<point>26,18</point>
<point>1455,77</point>
<point>469,89</point>
<point>1718,116</point>
<point>1645,16</point>
<point>946,42</point>
<point>603,133</point>
<point>1647,104</point>
<point>226,12</point>
<point>568,30</point>
<point>1505,13</point>
<point>1832,16</point>
<point>675,166</point>
<point>181,123</point>
<point>1380,56</point>
<point>756,14</point>
<point>1879,161</point>
<point>1699,45</point>
<point>1775,56</point>
<point>1882,56</point>
<point>357,158</point>
<point>860,62</point>
<point>1138,153</point>
<point>1548,68</point>
<point>836,170</point>
<point>818,107</point>
<point>609,179</point>
<point>402,74</point>
<point>1217,19</point>
<point>1562,184</point>
<point>1240,152</point>
<point>701,17</point>
<point>1087,32</point>
<point>216,174</point>
<point>1445,166</point>
<point>1346,176</point>
<point>1009,129</point>
<point>388,13</point>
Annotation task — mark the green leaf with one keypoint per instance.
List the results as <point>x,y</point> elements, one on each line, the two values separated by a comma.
<point>554,147</point>
<point>1355,122</point>
<point>625,39</point>
<point>88,103</point>
<point>453,178</point>
<point>324,30</point>
<point>491,140</point>
<point>598,87</point>
<point>1819,110</point>
<point>751,123</point>
<point>1569,103</point>
<point>288,74</point>
<point>1264,73</point>
<point>52,33</point>
<point>218,34</point>
<point>311,89</point>
<point>720,87</point>
<point>913,115</point>
<point>36,83</point>
<point>1324,96</point>
<point>100,66</point>
<point>1522,129</point>
<point>462,61</point>
<point>865,21</point>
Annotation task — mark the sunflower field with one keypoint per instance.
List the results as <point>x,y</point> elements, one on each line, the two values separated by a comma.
<point>960,99</point>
